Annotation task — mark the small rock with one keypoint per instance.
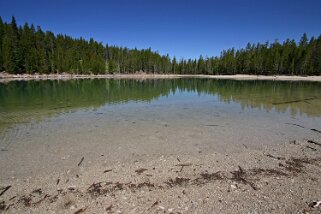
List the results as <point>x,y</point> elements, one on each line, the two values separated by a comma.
<point>233,186</point>
<point>161,207</point>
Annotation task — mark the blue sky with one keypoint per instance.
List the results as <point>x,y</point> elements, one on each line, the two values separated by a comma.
<point>184,28</point>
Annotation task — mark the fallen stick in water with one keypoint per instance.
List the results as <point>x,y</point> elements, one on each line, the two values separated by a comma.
<point>315,130</point>
<point>60,107</point>
<point>293,124</point>
<point>294,101</point>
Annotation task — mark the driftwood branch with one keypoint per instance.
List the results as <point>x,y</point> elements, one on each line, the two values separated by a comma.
<point>295,101</point>
<point>82,159</point>
<point>5,189</point>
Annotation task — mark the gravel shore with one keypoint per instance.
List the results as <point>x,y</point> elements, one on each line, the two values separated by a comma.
<point>283,178</point>
<point>5,77</point>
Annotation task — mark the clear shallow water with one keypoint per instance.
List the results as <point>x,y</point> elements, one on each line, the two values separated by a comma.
<point>23,100</point>
<point>44,124</point>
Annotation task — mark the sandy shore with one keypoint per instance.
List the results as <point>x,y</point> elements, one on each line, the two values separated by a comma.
<point>282,178</point>
<point>5,77</point>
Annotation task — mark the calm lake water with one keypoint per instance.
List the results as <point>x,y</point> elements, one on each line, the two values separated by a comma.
<point>50,121</point>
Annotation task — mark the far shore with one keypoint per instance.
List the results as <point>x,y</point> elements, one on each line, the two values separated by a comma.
<point>5,77</point>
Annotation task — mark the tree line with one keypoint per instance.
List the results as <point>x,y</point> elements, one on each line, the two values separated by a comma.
<point>28,49</point>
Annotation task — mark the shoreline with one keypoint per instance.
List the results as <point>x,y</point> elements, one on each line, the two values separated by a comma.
<point>246,182</point>
<point>5,77</point>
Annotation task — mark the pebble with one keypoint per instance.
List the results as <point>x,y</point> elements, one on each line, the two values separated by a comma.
<point>233,186</point>
<point>161,207</point>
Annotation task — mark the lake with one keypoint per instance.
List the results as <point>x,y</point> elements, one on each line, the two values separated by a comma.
<point>51,124</point>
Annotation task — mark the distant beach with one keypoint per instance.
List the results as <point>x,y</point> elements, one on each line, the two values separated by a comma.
<point>5,77</point>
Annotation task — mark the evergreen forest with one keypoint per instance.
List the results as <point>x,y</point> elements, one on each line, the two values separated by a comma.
<point>29,49</point>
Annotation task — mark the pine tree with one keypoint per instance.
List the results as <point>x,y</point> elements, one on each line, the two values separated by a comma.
<point>316,56</point>
<point>1,39</point>
<point>7,52</point>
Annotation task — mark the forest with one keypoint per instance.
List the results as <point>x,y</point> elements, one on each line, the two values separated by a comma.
<point>29,49</point>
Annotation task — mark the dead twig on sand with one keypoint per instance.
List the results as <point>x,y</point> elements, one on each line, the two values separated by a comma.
<point>81,210</point>
<point>109,207</point>
<point>275,157</point>
<point>154,204</point>
<point>5,189</point>
<point>240,176</point>
<point>178,181</point>
<point>182,165</point>
<point>140,170</point>
<point>309,147</point>
<point>38,202</point>
<point>212,176</point>
<point>82,159</point>
<point>315,204</point>
<point>2,205</point>
<point>38,191</point>
<point>313,142</point>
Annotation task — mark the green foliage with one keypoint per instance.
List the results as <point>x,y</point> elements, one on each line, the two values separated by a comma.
<point>29,50</point>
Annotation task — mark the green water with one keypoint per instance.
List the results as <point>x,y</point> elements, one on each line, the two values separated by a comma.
<point>50,96</point>
<point>22,101</point>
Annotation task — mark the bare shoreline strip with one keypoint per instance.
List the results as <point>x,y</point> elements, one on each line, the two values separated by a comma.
<point>4,77</point>
<point>210,183</point>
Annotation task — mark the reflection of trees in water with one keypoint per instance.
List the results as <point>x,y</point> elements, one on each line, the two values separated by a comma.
<point>266,95</point>
<point>270,95</point>
<point>57,96</point>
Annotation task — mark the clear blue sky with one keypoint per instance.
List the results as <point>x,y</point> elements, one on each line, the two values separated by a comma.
<point>184,28</point>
